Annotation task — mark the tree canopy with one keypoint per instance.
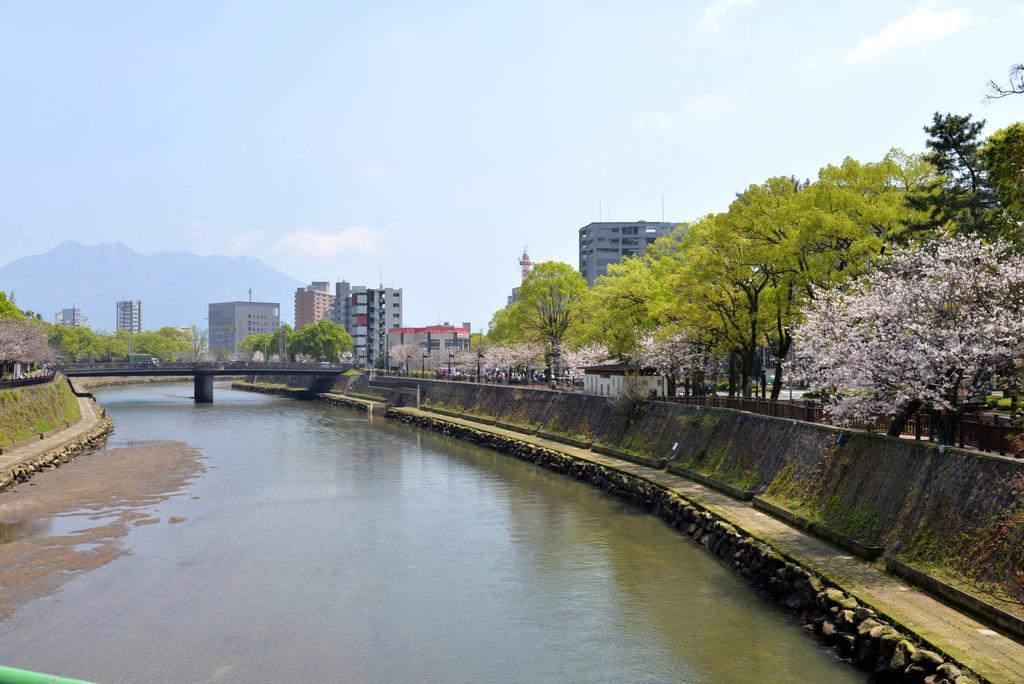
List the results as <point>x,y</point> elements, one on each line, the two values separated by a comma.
<point>324,340</point>
<point>548,303</point>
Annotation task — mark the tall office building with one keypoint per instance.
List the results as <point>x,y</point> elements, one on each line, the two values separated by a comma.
<point>367,314</point>
<point>608,242</point>
<point>313,303</point>
<point>129,315</point>
<point>72,316</point>
<point>232,322</point>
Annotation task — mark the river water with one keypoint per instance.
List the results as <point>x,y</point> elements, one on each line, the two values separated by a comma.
<point>320,546</point>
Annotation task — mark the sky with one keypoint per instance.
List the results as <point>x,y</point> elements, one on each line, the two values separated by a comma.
<point>429,142</point>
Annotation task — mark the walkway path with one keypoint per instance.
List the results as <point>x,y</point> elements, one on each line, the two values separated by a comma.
<point>988,653</point>
<point>26,451</point>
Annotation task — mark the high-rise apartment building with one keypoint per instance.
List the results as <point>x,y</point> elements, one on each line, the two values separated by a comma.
<point>232,322</point>
<point>313,303</point>
<point>72,316</point>
<point>367,314</point>
<point>129,315</point>
<point>605,243</point>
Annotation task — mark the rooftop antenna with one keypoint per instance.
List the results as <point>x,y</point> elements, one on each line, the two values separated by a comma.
<point>600,212</point>
<point>381,276</point>
<point>250,294</point>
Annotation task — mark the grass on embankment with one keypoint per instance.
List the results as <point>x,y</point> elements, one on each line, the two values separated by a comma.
<point>27,411</point>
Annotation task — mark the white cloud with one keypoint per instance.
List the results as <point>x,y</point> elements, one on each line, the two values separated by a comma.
<point>927,23</point>
<point>709,106</point>
<point>308,242</point>
<point>718,12</point>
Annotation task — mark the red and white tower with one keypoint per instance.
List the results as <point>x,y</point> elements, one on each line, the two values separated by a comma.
<point>525,264</point>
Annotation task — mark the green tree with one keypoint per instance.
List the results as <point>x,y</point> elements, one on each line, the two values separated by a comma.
<point>325,340</point>
<point>960,198</point>
<point>1003,157</point>
<point>8,309</point>
<point>166,344</point>
<point>547,305</point>
<point>76,344</point>
<point>630,300</point>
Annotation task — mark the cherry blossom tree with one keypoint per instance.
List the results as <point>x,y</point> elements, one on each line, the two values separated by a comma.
<point>576,360</point>
<point>22,342</point>
<point>404,353</point>
<point>929,329</point>
<point>675,354</point>
<point>506,358</point>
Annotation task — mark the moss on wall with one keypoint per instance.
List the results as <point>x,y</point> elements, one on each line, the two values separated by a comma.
<point>27,411</point>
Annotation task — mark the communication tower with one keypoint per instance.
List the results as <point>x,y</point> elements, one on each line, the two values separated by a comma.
<point>525,264</point>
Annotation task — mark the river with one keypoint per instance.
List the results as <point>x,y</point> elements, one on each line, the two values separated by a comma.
<point>321,546</point>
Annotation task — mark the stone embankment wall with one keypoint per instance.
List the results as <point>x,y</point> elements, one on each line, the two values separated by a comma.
<point>858,632</point>
<point>301,393</point>
<point>956,510</point>
<point>27,411</point>
<point>114,381</point>
<point>94,438</point>
<point>354,385</point>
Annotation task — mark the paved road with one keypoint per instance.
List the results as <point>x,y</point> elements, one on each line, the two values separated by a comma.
<point>988,653</point>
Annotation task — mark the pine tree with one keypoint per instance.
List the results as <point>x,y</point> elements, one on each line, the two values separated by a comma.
<point>961,196</point>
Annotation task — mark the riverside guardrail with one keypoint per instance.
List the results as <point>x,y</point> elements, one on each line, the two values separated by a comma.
<point>27,382</point>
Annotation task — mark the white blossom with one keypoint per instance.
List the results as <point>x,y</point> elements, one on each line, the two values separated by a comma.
<point>575,360</point>
<point>675,353</point>
<point>930,326</point>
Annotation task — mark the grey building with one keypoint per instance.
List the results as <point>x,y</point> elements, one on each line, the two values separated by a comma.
<point>610,242</point>
<point>232,322</point>
<point>129,315</point>
<point>72,317</point>
<point>367,314</point>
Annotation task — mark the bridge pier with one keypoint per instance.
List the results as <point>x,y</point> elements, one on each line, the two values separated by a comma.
<point>202,385</point>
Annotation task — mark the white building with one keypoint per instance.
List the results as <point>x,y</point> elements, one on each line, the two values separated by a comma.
<point>368,314</point>
<point>129,315</point>
<point>607,380</point>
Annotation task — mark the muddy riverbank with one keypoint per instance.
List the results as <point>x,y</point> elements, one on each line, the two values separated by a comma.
<point>72,519</point>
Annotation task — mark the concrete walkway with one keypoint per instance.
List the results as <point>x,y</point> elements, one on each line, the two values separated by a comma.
<point>988,653</point>
<point>15,456</point>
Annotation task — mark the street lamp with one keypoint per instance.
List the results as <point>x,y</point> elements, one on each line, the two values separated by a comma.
<point>479,357</point>
<point>450,357</point>
<point>423,365</point>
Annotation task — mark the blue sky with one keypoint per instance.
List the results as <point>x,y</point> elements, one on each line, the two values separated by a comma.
<point>433,139</point>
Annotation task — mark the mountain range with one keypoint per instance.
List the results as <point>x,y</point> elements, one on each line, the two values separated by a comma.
<point>175,287</point>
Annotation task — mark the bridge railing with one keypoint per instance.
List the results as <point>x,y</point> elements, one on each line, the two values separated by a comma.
<point>249,366</point>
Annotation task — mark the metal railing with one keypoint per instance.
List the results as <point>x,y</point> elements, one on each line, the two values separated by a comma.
<point>204,365</point>
<point>27,382</point>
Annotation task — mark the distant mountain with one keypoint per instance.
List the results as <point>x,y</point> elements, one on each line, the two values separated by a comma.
<point>175,287</point>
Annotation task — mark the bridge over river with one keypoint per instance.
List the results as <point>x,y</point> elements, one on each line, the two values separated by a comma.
<point>324,374</point>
